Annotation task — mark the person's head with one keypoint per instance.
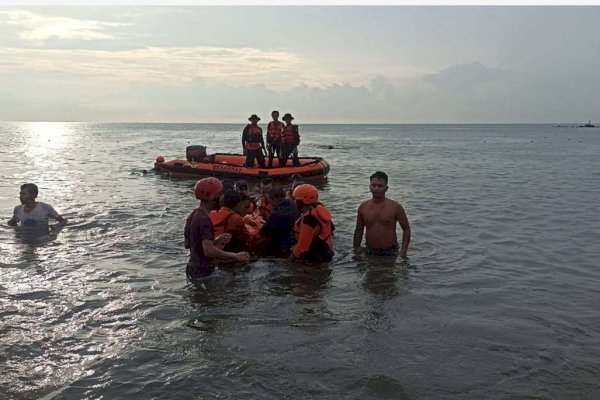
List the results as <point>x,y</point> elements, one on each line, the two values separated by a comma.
<point>242,207</point>
<point>28,193</point>
<point>231,199</point>
<point>276,195</point>
<point>296,181</point>
<point>306,195</point>
<point>208,190</point>
<point>275,115</point>
<point>379,184</point>
<point>254,119</point>
<point>287,118</point>
<point>241,186</point>
<point>266,185</point>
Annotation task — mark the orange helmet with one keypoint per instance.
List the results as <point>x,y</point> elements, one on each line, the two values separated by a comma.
<point>306,193</point>
<point>208,188</point>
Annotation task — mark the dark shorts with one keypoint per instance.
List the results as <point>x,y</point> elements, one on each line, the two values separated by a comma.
<point>389,252</point>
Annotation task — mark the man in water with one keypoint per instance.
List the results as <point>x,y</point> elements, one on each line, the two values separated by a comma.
<point>265,208</point>
<point>278,229</point>
<point>33,213</point>
<point>199,233</point>
<point>314,228</point>
<point>379,216</point>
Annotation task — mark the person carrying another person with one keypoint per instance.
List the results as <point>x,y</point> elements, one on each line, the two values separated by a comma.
<point>199,232</point>
<point>278,230</point>
<point>314,228</point>
<point>290,139</point>
<point>379,216</point>
<point>32,213</point>
<point>253,143</point>
<point>264,208</point>
<point>230,219</point>
<point>274,131</point>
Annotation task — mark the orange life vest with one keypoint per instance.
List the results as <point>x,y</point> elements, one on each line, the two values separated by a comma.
<point>219,219</point>
<point>323,217</point>
<point>265,208</point>
<point>253,137</point>
<point>274,130</point>
<point>289,134</point>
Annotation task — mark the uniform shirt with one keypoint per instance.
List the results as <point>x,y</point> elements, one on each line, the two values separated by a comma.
<point>38,217</point>
<point>279,228</point>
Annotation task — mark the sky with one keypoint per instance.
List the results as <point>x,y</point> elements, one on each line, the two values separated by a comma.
<point>323,64</point>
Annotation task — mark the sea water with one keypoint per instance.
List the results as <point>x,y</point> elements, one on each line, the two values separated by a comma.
<point>498,298</point>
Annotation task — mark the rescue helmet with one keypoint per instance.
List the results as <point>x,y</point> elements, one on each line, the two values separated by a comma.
<point>308,194</point>
<point>208,188</point>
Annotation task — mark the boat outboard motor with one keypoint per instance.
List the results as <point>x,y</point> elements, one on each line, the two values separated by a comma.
<point>196,153</point>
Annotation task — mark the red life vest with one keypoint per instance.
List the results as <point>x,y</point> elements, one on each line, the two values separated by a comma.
<point>219,219</point>
<point>289,134</point>
<point>274,130</point>
<point>253,137</point>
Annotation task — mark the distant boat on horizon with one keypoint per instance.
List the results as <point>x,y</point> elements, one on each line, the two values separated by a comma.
<point>588,125</point>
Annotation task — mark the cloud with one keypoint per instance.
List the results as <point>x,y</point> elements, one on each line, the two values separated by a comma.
<point>37,28</point>
<point>173,66</point>
<point>461,77</point>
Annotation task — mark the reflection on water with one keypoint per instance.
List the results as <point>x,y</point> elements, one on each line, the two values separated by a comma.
<point>45,139</point>
<point>383,275</point>
<point>500,304</point>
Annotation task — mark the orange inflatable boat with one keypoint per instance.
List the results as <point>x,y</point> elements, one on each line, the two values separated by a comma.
<point>226,165</point>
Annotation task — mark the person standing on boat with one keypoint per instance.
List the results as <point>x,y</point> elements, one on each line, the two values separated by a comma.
<point>274,131</point>
<point>199,233</point>
<point>290,139</point>
<point>379,216</point>
<point>31,213</point>
<point>314,228</point>
<point>253,143</point>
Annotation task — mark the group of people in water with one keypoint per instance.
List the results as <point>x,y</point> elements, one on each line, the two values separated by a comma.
<point>287,223</point>
<point>283,139</point>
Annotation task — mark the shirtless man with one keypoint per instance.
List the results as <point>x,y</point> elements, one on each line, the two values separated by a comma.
<point>379,215</point>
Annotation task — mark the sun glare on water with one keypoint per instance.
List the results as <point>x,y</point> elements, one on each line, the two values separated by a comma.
<point>46,139</point>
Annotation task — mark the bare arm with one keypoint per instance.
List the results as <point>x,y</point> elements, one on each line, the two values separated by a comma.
<point>404,224</point>
<point>214,252</point>
<point>61,220</point>
<point>14,221</point>
<point>360,227</point>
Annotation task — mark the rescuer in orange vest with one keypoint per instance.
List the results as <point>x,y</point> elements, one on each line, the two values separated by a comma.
<point>253,142</point>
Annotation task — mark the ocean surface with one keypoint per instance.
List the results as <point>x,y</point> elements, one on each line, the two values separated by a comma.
<point>499,298</point>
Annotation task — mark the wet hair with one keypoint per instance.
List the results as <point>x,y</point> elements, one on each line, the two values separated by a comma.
<point>267,181</point>
<point>31,188</point>
<point>277,193</point>
<point>241,183</point>
<point>231,198</point>
<point>380,175</point>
